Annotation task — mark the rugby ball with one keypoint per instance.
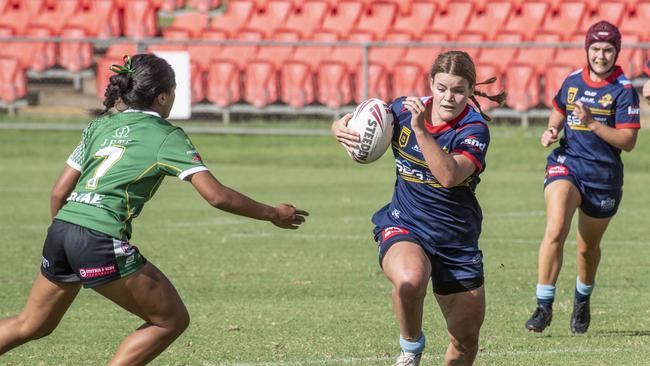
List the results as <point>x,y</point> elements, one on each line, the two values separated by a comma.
<point>373,120</point>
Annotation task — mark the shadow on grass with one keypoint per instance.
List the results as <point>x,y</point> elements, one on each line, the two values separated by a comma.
<point>625,333</point>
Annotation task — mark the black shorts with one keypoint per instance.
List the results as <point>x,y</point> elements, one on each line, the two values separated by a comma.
<point>73,253</point>
<point>453,270</point>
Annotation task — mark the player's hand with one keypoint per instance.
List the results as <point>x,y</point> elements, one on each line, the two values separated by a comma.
<point>646,91</point>
<point>549,136</point>
<point>347,137</point>
<point>287,216</point>
<point>417,109</point>
<point>583,113</point>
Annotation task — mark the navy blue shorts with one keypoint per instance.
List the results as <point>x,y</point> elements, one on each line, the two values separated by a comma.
<point>454,268</point>
<point>595,202</point>
<point>73,253</point>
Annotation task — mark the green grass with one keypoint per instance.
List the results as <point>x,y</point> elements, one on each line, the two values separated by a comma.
<point>258,295</point>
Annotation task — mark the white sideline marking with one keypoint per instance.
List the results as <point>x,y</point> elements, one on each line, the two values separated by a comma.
<point>354,360</point>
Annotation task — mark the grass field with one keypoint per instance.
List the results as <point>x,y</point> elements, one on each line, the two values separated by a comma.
<point>262,296</point>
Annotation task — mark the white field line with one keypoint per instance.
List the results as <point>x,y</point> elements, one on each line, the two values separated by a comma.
<point>376,360</point>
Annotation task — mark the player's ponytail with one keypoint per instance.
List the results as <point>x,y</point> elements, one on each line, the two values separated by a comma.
<point>138,82</point>
<point>459,63</point>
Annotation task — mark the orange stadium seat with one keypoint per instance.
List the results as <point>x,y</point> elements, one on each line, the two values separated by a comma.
<point>501,56</point>
<point>13,83</point>
<point>628,5</point>
<point>306,19</point>
<point>204,5</point>
<point>140,20</point>
<point>576,56</point>
<point>237,14</point>
<point>487,21</point>
<point>100,19</point>
<point>539,57</point>
<point>474,51</point>
<point>30,55</point>
<point>453,20</point>
<point>114,55</point>
<point>417,20</point>
<point>566,20</point>
<point>241,54</point>
<point>631,59</point>
<point>636,22</point>
<point>377,19</point>
<point>410,79</point>
<point>261,76</point>
<point>223,86</point>
<point>334,84</point>
<point>171,5</point>
<point>527,20</point>
<point>296,84</point>
<point>607,10</point>
<point>53,18</point>
<point>189,24</point>
<point>272,17</point>
<point>522,86</point>
<point>200,56</point>
<point>484,72</point>
<point>342,18</point>
<point>425,56</point>
<point>75,56</point>
<point>553,78</point>
<point>16,18</point>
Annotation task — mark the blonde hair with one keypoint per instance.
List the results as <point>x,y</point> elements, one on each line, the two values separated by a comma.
<point>459,63</point>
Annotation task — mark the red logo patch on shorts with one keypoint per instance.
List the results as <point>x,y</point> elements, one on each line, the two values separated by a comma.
<point>555,170</point>
<point>389,232</point>
<point>97,272</point>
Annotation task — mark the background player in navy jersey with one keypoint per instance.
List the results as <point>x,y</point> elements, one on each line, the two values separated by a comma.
<point>430,230</point>
<point>599,111</point>
<point>117,167</point>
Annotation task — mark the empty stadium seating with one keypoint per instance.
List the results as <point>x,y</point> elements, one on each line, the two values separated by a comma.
<point>330,74</point>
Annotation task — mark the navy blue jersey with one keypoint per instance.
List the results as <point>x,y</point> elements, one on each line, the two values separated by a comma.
<point>443,216</point>
<point>613,102</point>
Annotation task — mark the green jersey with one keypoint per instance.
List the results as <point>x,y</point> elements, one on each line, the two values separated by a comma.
<point>123,158</point>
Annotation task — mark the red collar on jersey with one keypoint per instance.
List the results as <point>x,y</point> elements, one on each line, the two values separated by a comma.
<point>599,84</point>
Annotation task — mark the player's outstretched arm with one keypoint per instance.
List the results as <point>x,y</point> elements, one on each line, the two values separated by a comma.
<point>62,188</point>
<point>219,196</point>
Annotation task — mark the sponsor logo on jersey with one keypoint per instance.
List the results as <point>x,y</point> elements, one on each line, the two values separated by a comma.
<point>121,132</point>
<point>389,232</point>
<point>404,136</point>
<point>474,143</point>
<point>605,100</point>
<point>416,148</point>
<point>44,262</point>
<point>607,204</point>
<point>196,157</point>
<point>590,93</point>
<point>555,170</point>
<point>89,198</point>
<point>97,272</point>
<point>633,110</point>
<point>395,213</point>
<point>571,95</point>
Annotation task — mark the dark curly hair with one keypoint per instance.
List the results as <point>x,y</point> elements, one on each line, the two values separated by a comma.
<point>150,76</point>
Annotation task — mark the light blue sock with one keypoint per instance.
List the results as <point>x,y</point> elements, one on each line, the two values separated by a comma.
<point>583,291</point>
<point>545,294</point>
<point>412,347</point>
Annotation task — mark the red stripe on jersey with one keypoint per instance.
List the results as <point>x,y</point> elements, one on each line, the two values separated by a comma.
<point>446,125</point>
<point>557,108</point>
<point>471,157</point>
<point>389,232</point>
<point>632,125</point>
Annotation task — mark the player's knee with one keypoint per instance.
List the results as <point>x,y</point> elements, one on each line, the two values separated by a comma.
<point>179,322</point>
<point>411,283</point>
<point>29,330</point>
<point>464,341</point>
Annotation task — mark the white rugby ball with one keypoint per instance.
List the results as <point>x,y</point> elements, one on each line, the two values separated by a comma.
<point>373,120</point>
